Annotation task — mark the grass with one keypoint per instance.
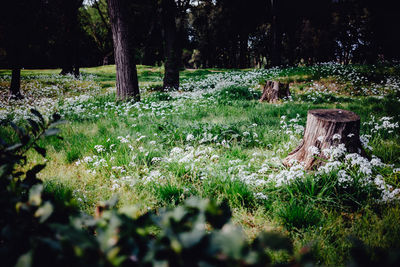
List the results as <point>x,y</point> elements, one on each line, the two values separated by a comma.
<point>214,139</point>
<point>297,215</point>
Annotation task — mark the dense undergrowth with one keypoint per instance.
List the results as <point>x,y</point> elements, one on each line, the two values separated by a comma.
<point>213,139</point>
<point>40,228</point>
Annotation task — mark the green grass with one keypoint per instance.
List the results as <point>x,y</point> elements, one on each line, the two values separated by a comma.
<point>224,138</point>
<point>298,215</point>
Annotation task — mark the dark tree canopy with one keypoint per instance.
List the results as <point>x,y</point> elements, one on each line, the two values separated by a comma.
<point>208,33</point>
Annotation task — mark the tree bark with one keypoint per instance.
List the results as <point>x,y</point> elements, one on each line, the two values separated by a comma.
<point>273,91</point>
<point>172,46</point>
<point>106,58</point>
<point>243,62</point>
<point>150,52</point>
<point>15,57</point>
<point>16,45</point>
<point>127,81</point>
<point>70,47</point>
<point>276,34</point>
<point>15,88</point>
<point>326,128</point>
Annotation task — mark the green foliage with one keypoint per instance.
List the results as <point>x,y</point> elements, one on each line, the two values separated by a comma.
<point>235,192</point>
<point>238,194</point>
<point>225,145</point>
<point>41,229</point>
<point>159,96</point>
<point>298,214</point>
<point>169,194</point>
<point>233,92</point>
<point>312,189</point>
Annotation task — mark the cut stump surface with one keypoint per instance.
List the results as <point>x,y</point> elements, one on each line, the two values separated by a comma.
<point>326,128</point>
<point>273,91</point>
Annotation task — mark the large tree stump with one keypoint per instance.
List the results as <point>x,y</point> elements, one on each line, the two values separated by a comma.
<point>326,128</point>
<point>273,91</point>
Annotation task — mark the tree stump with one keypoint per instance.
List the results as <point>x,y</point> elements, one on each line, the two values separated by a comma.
<point>326,128</point>
<point>273,91</point>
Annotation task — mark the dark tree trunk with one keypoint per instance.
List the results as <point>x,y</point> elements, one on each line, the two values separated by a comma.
<point>70,47</point>
<point>15,88</point>
<point>15,57</point>
<point>127,81</point>
<point>106,58</point>
<point>172,46</point>
<point>276,35</point>
<point>233,54</point>
<point>69,69</point>
<point>149,55</point>
<point>66,68</point>
<point>16,25</point>
<point>243,62</point>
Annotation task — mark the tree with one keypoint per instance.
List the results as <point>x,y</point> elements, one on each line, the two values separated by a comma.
<point>173,17</point>
<point>151,36</point>
<point>224,31</point>
<point>25,37</point>
<point>15,17</point>
<point>127,81</point>
<point>171,44</point>
<point>96,23</point>
<point>15,58</point>
<point>70,36</point>
<point>276,34</point>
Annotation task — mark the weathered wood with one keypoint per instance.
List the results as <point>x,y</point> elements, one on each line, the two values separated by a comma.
<point>273,91</point>
<point>323,129</point>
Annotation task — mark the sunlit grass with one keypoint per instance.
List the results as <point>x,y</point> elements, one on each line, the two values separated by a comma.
<point>223,138</point>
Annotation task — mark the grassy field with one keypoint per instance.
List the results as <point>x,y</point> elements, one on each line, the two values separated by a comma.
<point>213,139</point>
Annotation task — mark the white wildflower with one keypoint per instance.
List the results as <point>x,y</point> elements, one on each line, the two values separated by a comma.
<point>313,150</point>
<point>189,137</point>
<point>214,157</point>
<point>99,148</point>
<point>336,137</point>
<point>260,196</point>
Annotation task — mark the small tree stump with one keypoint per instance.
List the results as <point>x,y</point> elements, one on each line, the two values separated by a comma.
<point>324,126</point>
<point>273,91</point>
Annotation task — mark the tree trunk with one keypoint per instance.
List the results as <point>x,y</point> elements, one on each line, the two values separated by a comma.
<point>244,39</point>
<point>326,128</point>
<point>15,88</point>
<point>127,81</point>
<point>106,58</point>
<point>149,55</point>
<point>273,91</point>
<point>70,45</point>
<point>15,56</point>
<point>276,35</point>
<point>172,46</point>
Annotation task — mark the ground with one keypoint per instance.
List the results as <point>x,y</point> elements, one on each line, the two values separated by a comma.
<point>213,139</point>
